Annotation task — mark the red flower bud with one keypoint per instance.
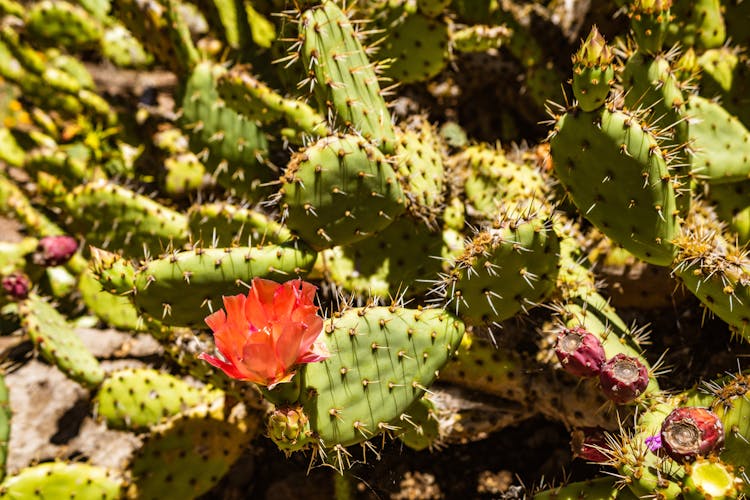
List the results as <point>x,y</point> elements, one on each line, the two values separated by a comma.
<point>16,285</point>
<point>580,352</point>
<point>623,378</point>
<point>54,250</point>
<point>689,432</point>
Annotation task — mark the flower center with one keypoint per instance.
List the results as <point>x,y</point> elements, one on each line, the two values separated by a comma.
<point>625,371</point>
<point>570,342</point>
<point>684,436</point>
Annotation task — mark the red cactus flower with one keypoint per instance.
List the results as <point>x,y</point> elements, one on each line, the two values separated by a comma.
<point>264,336</point>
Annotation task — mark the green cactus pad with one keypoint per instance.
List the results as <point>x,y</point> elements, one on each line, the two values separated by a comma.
<point>413,59</point>
<point>58,342</point>
<point>115,310</point>
<point>419,164</point>
<point>255,100</point>
<point>494,182</point>
<point>649,23</point>
<point>604,488</point>
<point>407,260</point>
<point>160,26</point>
<point>62,480</point>
<point>697,24</point>
<point>420,425</point>
<point>345,81</point>
<point>721,282</point>
<point>720,140</point>
<point>503,270</point>
<point>732,204</point>
<point>382,360</point>
<point>136,399</point>
<point>63,24</point>
<point>120,47</point>
<point>183,288</point>
<point>231,146</point>
<point>338,191</point>
<point>188,455</point>
<point>111,216</point>
<point>223,224</point>
<point>616,175</point>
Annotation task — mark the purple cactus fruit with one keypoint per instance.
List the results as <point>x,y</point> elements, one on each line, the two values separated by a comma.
<point>691,432</point>
<point>17,285</point>
<point>54,250</point>
<point>623,378</point>
<point>590,444</point>
<point>580,352</point>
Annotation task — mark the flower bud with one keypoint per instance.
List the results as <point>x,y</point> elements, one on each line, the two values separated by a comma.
<point>594,51</point>
<point>288,427</point>
<point>54,251</point>
<point>623,378</point>
<point>580,352</point>
<point>691,432</point>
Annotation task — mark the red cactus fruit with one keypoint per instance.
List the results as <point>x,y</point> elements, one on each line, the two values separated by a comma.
<point>691,432</point>
<point>579,352</point>
<point>590,444</point>
<point>54,250</point>
<point>17,285</point>
<point>623,378</point>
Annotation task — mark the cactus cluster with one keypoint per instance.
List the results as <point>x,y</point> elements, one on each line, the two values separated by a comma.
<point>324,150</point>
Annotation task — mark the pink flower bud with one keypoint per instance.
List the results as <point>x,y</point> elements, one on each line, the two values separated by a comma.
<point>623,378</point>
<point>580,352</point>
<point>691,432</point>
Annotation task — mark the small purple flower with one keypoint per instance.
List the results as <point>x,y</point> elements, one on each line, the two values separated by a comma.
<point>654,443</point>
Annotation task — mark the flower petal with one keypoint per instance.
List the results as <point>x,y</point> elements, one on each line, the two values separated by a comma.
<point>318,352</point>
<point>216,320</point>
<point>227,368</point>
<point>258,309</point>
<point>288,344</point>
<point>261,359</point>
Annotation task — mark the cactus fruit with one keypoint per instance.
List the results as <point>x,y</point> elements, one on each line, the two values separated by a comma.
<point>580,352</point>
<point>16,285</point>
<point>623,378</point>
<point>339,190</point>
<point>54,250</point>
<point>689,432</point>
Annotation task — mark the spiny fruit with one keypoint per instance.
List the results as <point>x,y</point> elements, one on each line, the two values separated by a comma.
<point>691,432</point>
<point>623,378</point>
<point>580,352</point>
<point>54,250</point>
